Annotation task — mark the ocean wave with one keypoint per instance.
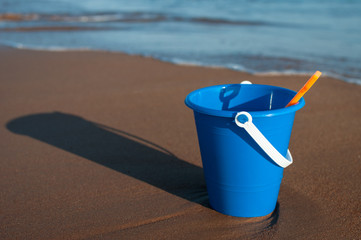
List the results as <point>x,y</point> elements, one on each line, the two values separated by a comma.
<point>14,17</point>
<point>54,28</point>
<point>219,21</point>
<point>126,17</point>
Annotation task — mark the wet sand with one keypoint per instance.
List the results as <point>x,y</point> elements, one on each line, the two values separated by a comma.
<point>100,145</point>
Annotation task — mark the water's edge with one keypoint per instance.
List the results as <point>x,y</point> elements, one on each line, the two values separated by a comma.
<point>177,61</point>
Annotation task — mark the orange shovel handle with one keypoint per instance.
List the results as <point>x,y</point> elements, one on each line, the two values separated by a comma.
<point>305,88</point>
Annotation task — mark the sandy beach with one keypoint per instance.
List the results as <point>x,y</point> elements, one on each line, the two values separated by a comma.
<point>98,145</point>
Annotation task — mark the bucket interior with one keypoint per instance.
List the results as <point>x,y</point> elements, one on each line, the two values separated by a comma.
<point>238,97</point>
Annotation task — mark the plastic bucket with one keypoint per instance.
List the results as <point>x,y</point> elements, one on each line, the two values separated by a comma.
<point>242,172</point>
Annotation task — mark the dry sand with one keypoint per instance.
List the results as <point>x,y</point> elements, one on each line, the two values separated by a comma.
<point>100,145</point>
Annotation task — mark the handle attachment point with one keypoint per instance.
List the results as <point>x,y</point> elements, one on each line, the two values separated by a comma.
<point>243,118</point>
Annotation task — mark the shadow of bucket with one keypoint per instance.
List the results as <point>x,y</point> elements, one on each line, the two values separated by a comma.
<point>242,179</point>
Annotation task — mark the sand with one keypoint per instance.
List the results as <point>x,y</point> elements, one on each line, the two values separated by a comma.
<point>98,145</point>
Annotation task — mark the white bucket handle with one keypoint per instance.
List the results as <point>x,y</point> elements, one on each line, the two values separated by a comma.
<point>262,141</point>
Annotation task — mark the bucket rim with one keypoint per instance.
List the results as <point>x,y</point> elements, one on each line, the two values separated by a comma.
<point>229,113</point>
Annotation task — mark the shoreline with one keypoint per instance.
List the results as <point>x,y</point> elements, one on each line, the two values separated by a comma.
<point>100,144</point>
<point>179,63</point>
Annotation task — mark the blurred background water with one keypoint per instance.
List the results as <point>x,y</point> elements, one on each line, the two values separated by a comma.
<point>259,36</point>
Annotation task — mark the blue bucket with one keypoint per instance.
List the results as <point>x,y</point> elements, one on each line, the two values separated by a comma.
<point>242,178</point>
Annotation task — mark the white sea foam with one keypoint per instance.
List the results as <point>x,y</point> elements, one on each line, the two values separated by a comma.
<point>18,45</point>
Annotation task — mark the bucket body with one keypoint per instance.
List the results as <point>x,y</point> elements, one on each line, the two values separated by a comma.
<point>241,179</point>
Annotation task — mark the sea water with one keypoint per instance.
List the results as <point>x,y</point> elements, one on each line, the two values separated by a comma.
<point>256,36</point>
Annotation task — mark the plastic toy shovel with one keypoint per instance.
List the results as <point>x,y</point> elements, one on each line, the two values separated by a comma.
<point>304,89</point>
